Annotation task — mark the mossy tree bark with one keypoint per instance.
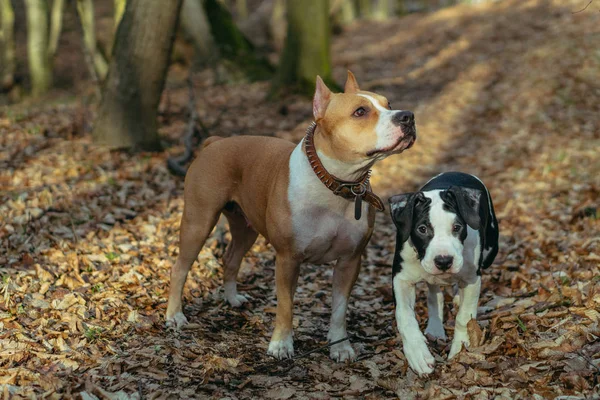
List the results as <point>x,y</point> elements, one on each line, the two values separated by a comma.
<point>7,45</point>
<point>136,76</point>
<point>307,47</point>
<point>40,65</point>
<point>233,46</point>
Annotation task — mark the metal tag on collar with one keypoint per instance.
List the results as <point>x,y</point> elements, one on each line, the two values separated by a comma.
<point>358,200</point>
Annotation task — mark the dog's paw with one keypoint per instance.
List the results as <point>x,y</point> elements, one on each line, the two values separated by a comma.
<point>176,321</point>
<point>436,331</point>
<point>282,349</point>
<point>342,352</point>
<point>418,355</point>
<point>460,338</point>
<point>236,300</point>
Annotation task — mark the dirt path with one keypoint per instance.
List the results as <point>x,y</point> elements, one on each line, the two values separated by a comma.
<point>507,91</point>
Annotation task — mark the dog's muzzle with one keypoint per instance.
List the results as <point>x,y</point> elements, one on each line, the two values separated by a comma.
<point>406,121</point>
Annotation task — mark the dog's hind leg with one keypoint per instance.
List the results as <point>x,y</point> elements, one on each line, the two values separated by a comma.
<point>193,233</point>
<point>435,311</point>
<point>242,239</point>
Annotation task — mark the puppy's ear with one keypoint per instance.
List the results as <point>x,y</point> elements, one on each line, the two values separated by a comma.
<point>468,201</point>
<point>401,209</point>
<point>351,84</point>
<point>321,99</point>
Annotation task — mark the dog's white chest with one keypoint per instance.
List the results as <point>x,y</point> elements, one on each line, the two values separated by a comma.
<point>323,223</point>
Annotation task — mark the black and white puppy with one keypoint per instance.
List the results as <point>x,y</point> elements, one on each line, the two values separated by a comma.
<point>447,232</point>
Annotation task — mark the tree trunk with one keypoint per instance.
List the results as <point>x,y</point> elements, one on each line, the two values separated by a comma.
<point>136,77</point>
<point>233,45</point>
<point>347,13</point>
<point>401,7</point>
<point>85,9</point>
<point>365,8</point>
<point>241,8</point>
<point>119,6</point>
<point>195,25</point>
<point>383,9</point>
<point>278,24</point>
<point>7,45</point>
<point>56,17</point>
<point>40,67</point>
<point>306,53</point>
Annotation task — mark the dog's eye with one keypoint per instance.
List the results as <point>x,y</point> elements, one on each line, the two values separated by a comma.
<point>361,111</point>
<point>389,105</point>
<point>456,228</point>
<point>422,229</point>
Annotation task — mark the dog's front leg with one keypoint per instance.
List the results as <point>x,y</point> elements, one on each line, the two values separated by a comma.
<point>414,342</point>
<point>344,277</point>
<point>286,277</point>
<point>469,299</point>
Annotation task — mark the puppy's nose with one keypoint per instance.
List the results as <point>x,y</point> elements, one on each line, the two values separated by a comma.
<point>405,118</point>
<point>443,263</point>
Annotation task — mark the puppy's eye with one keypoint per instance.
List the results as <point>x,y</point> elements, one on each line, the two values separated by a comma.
<point>361,111</point>
<point>389,105</point>
<point>456,228</point>
<point>422,229</point>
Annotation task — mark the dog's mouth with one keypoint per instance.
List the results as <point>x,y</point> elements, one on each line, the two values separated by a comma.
<point>404,143</point>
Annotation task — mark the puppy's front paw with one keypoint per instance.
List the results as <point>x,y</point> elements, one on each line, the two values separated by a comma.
<point>342,352</point>
<point>281,349</point>
<point>236,300</point>
<point>176,321</point>
<point>418,355</point>
<point>460,338</point>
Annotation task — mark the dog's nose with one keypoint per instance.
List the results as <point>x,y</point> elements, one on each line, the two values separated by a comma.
<point>443,263</point>
<point>403,118</point>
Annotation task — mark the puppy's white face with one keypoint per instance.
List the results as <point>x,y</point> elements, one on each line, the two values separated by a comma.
<point>441,237</point>
<point>436,228</point>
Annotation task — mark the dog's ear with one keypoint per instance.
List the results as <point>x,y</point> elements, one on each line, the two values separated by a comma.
<point>321,99</point>
<point>401,209</point>
<point>351,84</point>
<point>468,201</point>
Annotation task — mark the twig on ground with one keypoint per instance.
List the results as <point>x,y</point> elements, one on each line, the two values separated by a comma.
<point>584,8</point>
<point>588,360</point>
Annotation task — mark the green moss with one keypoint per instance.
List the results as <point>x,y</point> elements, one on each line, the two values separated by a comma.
<point>233,45</point>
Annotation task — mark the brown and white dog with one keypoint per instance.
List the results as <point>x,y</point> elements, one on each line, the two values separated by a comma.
<point>305,199</point>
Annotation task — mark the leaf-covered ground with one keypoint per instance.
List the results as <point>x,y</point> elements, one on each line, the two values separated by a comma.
<point>508,91</point>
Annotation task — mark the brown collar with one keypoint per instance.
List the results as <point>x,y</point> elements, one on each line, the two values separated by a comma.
<point>352,190</point>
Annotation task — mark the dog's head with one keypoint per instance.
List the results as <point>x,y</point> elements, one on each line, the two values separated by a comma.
<point>437,223</point>
<point>358,125</point>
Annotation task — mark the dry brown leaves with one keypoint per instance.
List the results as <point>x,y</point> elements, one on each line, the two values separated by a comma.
<point>507,91</point>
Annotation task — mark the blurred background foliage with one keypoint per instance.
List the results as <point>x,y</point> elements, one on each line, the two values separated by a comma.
<point>43,44</point>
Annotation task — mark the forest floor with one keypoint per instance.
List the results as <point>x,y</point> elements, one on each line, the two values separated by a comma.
<point>507,91</point>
